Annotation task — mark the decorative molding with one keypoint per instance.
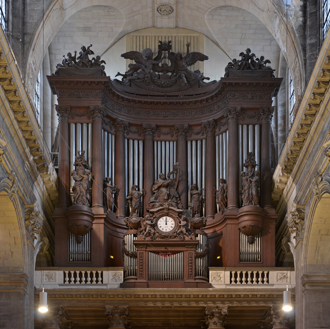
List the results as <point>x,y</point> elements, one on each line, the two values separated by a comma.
<point>9,184</point>
<point>149,130</point>
<point>208,127</point>
<point>63,111</point>
<point>116,277</point>
<point>215,316</point>
<point>97,112</point>
<point>165,9</point>
<point>233,114</point>
<point>216,277</point>
<point>266,114</point>
<point>182,131</point>
<point>282,277</point>
<point>279,319</point>
<point>122,127</point>
<point>49,276</point>
<point>2,152</point>
<point>117,316</point>
<point>33,221</point>
<point>296,222</point>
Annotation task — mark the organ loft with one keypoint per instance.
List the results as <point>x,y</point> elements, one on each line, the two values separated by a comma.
<point>161,171</point>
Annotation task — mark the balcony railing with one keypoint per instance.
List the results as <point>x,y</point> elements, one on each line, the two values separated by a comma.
<point>221,277</point>
<point>83,277</point>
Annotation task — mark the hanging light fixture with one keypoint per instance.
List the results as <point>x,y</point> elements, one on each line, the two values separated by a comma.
<point>287,305</point>
<point>43,307</point>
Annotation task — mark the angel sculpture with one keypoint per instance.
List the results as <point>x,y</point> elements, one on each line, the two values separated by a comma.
<point>181,64</point>
<point>83,58</point>
<point>143,66</point>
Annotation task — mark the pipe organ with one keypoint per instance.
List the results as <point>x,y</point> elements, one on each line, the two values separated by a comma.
<point>108,151</point>
<point>164,156</point>
<point>168,174</point>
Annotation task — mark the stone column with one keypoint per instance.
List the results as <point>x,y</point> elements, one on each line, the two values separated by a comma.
<point>121,128</point>
<point>209,129</point>
<point>266,176</point>
<point>148,168</point>
<point>215,317</point>
<point>181,132</point>
<point>117,316</point>
<point>64,157</point>
<point>97,169</point>
<point>233,159</point>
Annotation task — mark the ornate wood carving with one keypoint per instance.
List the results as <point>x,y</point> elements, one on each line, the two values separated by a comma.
<point>215,317</point>
<point>117,316</point>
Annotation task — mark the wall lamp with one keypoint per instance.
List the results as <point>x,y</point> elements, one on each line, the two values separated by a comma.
<point>43,307</point>
<point>287,305</point>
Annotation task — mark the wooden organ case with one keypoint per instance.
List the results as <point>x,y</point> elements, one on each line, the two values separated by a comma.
<point>162,172</point>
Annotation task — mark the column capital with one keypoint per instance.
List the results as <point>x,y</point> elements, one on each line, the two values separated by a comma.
<point>97,112</point>
<point>181,131</point>
<point>117,316</point>
<point>121,127</point>
<point>233,114</point>
<point>215,316</point>
<point>208,127</point>
<point>266,114</point>
<point>149,130</point>
<point>63,111</point>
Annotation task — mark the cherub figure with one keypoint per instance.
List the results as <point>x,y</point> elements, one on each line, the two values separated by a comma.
<point>144,63</point>
<point>149,227</point>
<point>97,62</point>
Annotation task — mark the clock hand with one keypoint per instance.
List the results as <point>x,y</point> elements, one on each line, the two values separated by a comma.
<point>165,220</point>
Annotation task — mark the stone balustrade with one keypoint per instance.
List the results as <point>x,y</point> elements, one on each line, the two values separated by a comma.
<point>221,277</point>
<point>84,277</point>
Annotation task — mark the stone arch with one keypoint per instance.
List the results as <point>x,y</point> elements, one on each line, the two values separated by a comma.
<point>11,248</point>
<point>273,18</point>
<point>316,249</point>
<point>58,13</point>
<point>193,16</point>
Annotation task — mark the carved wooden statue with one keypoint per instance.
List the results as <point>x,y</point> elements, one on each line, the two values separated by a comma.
<point>148,227</point>
<point>82,61</point>
<point>134,200</point>
<point>250,183</point>
<point>165,190</point>
<point>109,191</point>
<point>149,69</point>
<point>221,195</point>
<point>196,200</point>
<point>249,61</point>
<point>81,179</point>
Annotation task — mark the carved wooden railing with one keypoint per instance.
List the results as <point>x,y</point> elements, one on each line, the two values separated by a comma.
<point>221,277</point>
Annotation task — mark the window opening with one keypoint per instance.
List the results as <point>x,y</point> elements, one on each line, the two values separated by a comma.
<point>3,14</point>
<point>292,100</point>
<point>37,98</point>
<point>326,17</point>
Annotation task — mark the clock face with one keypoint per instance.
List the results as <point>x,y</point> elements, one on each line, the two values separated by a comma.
<point>166,224</point>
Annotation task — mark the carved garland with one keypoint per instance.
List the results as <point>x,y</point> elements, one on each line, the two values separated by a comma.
<point>131,254</point>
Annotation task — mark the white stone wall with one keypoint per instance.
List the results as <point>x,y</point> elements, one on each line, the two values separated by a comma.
<point>96,25</point>
<point>236,29</point>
